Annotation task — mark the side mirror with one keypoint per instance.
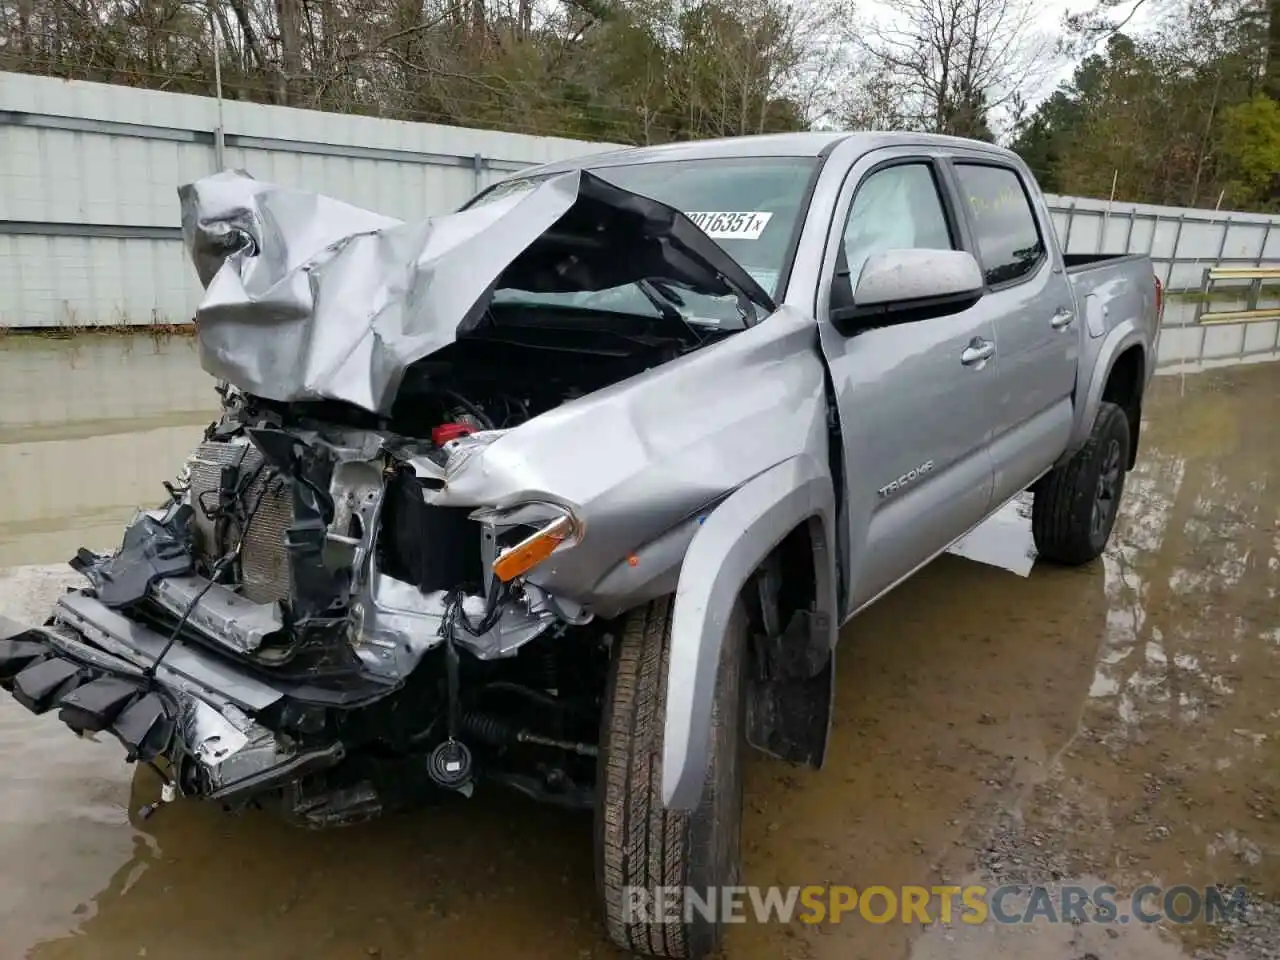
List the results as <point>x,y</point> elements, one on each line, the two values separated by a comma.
<point>903,286</point>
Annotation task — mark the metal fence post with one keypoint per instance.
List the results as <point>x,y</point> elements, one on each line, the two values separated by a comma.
<point>1222,245</point>
<point>1151,245</point>
<point>1222,249</point>
<point>1262,255</point>
<point>1066,240</point>
<point>477,168</point>
<point>1128,236</point>
<point>1106,215</point>
<point>1204,294</point>
<point>1173,254</point>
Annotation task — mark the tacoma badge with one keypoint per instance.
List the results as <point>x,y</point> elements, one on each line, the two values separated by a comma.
<point>911,476</point>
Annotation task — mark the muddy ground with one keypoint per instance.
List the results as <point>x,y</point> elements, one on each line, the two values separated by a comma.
<point>998,721</point>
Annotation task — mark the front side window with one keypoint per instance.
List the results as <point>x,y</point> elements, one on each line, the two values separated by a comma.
<point>1009,242</point>
<point>896,208</point>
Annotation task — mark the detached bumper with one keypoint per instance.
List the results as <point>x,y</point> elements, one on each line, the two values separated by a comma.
<point>199,713</point>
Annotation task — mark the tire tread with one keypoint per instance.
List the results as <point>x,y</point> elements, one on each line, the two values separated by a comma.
<point>1063,500</point>
<point>639,841</point>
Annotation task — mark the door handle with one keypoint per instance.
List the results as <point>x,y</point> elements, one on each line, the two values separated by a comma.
<point>978,351</point>
<point>1062,319</point>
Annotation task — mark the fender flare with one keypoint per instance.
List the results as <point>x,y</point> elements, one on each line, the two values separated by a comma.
<point>1089,392</point>
<point>728,547</point>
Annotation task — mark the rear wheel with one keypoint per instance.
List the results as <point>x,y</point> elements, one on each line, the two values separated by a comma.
<point>1076,504</point>
<point>642,850</point>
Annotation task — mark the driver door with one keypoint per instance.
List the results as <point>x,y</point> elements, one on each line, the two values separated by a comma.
<point>915,408</point>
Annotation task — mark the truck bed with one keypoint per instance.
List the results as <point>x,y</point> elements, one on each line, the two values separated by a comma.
<point>1122,285</point>
<point>1080,262</point>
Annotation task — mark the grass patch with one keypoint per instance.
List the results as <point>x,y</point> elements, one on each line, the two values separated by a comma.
<point>159,329</point>
<point>1221,295</point>
<point>160,333</point>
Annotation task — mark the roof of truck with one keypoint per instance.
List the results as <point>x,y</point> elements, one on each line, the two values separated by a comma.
<point>764,145</point>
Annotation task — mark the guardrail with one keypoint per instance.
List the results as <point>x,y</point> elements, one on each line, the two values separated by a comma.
<point>1209,326</point>
<point>1257,277</point>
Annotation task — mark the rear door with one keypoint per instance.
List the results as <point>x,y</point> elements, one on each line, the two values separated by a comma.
<point>914,415</point>
<point>1036,329</point>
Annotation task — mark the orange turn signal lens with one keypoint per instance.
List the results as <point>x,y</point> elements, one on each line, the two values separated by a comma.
<point>532,550</point>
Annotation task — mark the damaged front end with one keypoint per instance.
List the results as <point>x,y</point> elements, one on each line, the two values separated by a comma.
<point>344,605</point>
<point>389,567</point>
<point>301,620</point>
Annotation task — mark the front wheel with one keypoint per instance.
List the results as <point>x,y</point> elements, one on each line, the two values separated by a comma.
<point>648,859</point>
<point>1076,504</point>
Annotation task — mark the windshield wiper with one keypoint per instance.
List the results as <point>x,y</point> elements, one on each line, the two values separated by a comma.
<point>668,304</point>
<point>748,314</point>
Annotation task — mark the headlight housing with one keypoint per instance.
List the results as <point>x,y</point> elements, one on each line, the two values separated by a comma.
<point>527,533</point>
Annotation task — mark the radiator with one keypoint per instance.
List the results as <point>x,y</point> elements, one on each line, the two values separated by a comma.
<point>264,565</point>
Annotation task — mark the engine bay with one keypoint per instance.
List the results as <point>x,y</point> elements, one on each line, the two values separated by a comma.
<point>517,362</point>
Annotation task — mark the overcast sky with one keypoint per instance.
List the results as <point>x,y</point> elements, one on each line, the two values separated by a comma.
<point>1052,13</point>
<point>1049,18</point>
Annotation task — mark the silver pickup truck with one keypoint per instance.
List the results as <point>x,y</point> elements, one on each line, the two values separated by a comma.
<point>571,490</point>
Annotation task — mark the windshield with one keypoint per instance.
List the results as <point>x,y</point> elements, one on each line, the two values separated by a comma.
<point>748,205</point>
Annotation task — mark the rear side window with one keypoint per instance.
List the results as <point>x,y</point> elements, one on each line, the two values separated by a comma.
<point>1009,242</point>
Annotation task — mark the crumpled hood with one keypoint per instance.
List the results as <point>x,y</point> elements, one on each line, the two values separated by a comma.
<point>309,298</point>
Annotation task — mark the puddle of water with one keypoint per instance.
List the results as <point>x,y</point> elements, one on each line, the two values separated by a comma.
<point>1174,772</point>
<point>88,430</point>
<point>1124,714</point>
<point>1004,540</point>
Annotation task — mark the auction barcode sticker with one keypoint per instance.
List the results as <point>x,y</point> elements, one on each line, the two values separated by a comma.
<point>732,226</point>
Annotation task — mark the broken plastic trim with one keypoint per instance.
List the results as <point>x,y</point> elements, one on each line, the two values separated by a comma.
<point>551,526</point>
<point>532,550</point>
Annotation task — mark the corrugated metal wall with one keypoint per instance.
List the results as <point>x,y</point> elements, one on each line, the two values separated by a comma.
<point>89,214</point>
<point>88,174</point>
<point>1182,241</point>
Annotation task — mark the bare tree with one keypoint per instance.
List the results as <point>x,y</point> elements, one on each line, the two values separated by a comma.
<point>949,66</point>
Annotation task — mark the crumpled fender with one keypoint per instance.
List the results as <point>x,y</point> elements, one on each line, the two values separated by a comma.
<point>732,542</point>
